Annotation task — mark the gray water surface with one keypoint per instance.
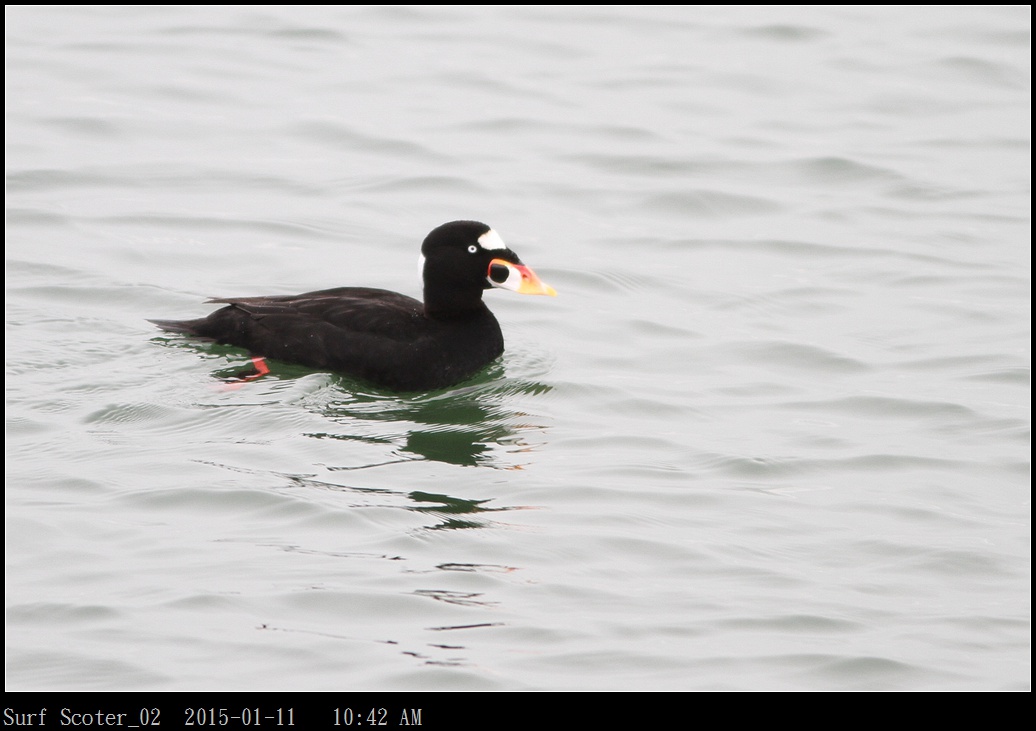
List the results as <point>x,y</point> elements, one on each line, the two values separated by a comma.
<point>773,434</point>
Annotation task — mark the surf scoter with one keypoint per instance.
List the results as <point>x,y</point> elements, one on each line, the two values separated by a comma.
<point>389,339</point>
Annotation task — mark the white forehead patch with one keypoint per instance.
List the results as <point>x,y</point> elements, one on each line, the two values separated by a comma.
<point>491,240</point>
<point>420,268</point>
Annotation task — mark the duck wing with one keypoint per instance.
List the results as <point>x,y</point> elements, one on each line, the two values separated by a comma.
<point>346,311</point>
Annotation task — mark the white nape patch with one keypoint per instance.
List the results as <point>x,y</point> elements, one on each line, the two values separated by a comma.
<point>420,267</point>
<point>491,240</point>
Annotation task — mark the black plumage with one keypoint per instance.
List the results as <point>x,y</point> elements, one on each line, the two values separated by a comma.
<point>389,339</point>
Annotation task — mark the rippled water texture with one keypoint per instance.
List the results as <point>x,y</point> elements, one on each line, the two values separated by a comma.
<point>772,434</point>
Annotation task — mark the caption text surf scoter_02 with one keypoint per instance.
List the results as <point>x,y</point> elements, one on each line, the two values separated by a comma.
<point>391,340</point>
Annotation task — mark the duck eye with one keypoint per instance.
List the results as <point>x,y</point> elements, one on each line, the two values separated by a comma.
<point>472,249</point>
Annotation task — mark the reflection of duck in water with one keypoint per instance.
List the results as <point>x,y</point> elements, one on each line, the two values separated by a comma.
<point>389,339</point>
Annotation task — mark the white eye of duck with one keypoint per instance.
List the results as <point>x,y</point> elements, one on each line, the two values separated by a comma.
<point>472,249</point>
